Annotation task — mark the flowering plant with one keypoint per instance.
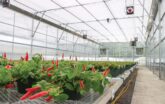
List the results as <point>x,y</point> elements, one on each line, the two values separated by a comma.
<point>27,68</point>
<point>63,76</point>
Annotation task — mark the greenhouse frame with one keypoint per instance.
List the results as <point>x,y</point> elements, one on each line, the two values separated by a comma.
<point>118,42</point>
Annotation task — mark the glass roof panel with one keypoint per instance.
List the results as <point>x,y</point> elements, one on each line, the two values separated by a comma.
<point>80,26</point>
<point>100,28</point>
<point>23,5</point>
<point>79,18</point>
<point>66,3</point>
<point>38,5</point>
<point>89,1</point>
<point>113,28</point>
<point>81,13</point>
<point>117,7</point>
<point>99,11</point>
<point>6,16</point>
<point>62,16</point>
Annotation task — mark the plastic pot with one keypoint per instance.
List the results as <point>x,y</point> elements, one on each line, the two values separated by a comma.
<point>22,86</point>
<point>73,95</point>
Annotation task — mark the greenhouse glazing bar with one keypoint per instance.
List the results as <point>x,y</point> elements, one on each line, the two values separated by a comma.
<point>41,46</point>
<point>13,35</point>
<point>67,7</point>
<point>17,9</point>
<point>96,20</point>
<point>99,20</point>
<point>82,21</point>
<point>116,21</point>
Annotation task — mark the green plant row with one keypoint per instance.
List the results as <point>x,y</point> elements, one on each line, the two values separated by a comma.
<point>57,79</point>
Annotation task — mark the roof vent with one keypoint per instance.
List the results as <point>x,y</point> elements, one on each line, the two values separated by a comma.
<point>84,36</point>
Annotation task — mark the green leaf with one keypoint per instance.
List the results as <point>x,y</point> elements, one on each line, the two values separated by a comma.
<point>70,75</point>
<point>82,92</point>
<point>69,86</point>
<point>61,97</point>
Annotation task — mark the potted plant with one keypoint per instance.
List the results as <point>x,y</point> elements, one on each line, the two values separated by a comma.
<point>25,72</point>
<point>70,80</point>
<point>5,76</point>
<point>6,79</point>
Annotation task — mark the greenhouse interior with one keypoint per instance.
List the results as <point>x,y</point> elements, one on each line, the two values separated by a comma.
<point>82,51</point>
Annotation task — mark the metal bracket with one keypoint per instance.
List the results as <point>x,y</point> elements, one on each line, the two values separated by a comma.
<point>75,42</point>
<point>38,23</point>
<point>62,34</point>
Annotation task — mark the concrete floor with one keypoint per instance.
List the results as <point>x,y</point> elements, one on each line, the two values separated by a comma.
<point>148,88</point>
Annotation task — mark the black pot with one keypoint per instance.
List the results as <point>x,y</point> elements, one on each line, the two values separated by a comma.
<point>73,95</point>
<point>22,86</point>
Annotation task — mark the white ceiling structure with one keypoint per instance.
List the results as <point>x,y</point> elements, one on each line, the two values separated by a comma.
<point>90,16</point>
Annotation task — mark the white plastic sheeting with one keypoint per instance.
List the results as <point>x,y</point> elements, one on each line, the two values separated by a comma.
<point>76,14</point>
<point>82,16</point>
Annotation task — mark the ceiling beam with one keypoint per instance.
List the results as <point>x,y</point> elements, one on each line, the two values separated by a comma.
<point>81,20</point>
<point>116,20</point>
<point>97,20</point>
<point>102,20</point>
<point>72,6</point>
<point>19,10</point>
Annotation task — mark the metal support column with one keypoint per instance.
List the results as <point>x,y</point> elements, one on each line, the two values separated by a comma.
<point>31,52</point>
<point>46,42</point>
<point>57,48</point>
<point>107,54</point>
<point>13,36</point>
<point>33,33</point>
<point>133,55</point>
<point>159,13</point>
<point>88,52</point>
<point>74,44</point>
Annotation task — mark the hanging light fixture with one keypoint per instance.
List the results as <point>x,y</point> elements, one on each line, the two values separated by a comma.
<point>5,3</point>
<point>84,34</point>
<point>108,20</point>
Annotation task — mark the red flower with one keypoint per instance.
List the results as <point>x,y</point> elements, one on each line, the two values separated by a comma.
<point>53,61</point>
<point>8,67</point>
<point>29,92</point>
<point>27,56</point>
<point>106,72</point>
<point>9,86</point>
<point>33,89</point>
<point>57,63</point>
<point>26,95</point>
<point>4,55</point>
<point>38,95</point>
<point>49,74</point>
<point>50,68</point>
<point>81,82</point>
<point>48,99</point>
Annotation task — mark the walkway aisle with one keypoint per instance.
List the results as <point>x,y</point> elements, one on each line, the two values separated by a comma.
<point>148,88</point>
